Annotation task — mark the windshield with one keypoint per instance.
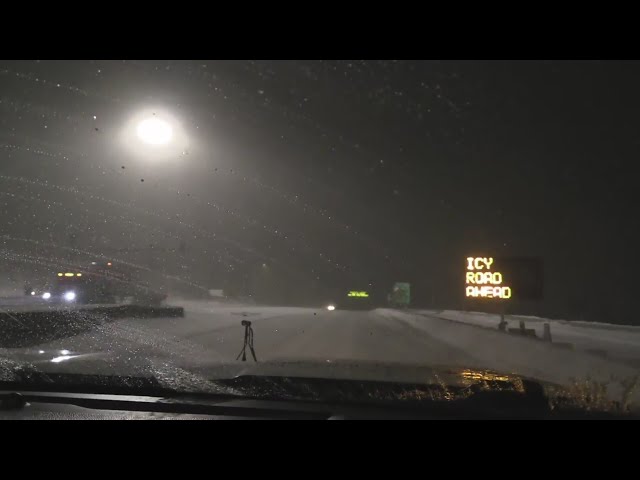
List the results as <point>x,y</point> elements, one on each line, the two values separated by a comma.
<point>356,219</point>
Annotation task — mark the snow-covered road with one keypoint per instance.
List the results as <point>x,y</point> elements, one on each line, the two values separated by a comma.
<point>212,332</point>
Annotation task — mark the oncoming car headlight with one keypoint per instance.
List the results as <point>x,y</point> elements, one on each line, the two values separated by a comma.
<point>331,308</point>
<point>46,295</point>
<point>70,296</point>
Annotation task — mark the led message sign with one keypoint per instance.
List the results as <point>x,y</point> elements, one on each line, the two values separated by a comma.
<point>503,278</point>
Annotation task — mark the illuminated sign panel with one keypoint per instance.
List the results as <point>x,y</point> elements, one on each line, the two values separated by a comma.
<point>357,294</point>
<point>503,278</point>
<point>401,294</point>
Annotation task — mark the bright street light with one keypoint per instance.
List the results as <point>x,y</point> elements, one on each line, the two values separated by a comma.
<point>154,131</point>
<point>154,134</point>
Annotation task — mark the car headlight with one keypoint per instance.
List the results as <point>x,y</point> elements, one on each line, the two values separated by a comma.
<point>46,295</point>
<point>331,308</point>
<point>70,296</point>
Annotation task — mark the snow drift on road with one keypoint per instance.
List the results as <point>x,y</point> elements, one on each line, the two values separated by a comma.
<point>520,355</point>
<point>620,342</point>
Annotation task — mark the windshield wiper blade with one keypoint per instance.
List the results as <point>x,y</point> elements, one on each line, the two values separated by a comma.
<point>210,405</point>
<point>94,384</point>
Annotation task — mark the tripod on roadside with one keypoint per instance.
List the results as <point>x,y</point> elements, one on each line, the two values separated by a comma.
<point>248,342</point>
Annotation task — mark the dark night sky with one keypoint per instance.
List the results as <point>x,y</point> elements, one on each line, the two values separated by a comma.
<point>341,172</point>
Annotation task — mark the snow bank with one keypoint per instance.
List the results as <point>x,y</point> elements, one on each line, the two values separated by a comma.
<point>620,342</point>
<point>529,357</point>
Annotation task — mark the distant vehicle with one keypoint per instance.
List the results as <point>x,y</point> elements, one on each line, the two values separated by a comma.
<point>102,283</point>
<point>356,300</point>
<point>84,287</point>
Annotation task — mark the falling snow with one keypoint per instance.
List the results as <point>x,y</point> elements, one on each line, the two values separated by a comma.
<point>337,167</point>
